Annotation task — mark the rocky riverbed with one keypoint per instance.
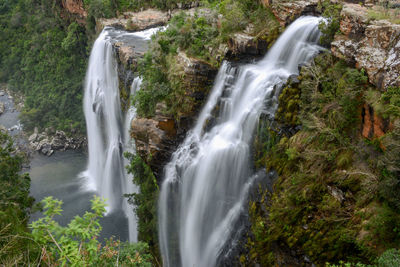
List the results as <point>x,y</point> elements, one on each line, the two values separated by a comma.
<point>46,142</point>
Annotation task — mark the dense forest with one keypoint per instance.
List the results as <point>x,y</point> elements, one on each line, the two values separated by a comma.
<point>335,201</point>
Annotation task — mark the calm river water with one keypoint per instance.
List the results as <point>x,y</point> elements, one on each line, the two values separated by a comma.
<point>58,176</point>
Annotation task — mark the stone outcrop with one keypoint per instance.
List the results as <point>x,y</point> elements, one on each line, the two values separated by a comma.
<point>157,138</point>
<point>197,75</point>
<point>138,21</point>
<point>46,144</point>
<point>371,45</point>
<point>244,44</point>
<point>127,55</point>
<point>287,11</point>
<point>2,108</point>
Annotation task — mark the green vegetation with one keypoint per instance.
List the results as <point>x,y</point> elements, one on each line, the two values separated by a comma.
<point>199,36</point>
<point>335,198</point>
<point>50,244</point>
<point>77,244</point>
<point>331,25</point>
<point>162,74</point>
<point>100,8</point>
<point>145,202</point>
<point>43,55</point>
<point>383,13</point>
<point>15,204</point>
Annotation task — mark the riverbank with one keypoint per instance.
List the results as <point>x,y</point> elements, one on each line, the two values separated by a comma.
<point>45,142</point>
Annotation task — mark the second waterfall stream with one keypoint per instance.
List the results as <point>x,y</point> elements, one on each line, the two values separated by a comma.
<point>207,181</point>
<point>108,128</point>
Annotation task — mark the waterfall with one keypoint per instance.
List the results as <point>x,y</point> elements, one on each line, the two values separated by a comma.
<point>129,146</point>
<point>108,133</point>
<point>208,178</point>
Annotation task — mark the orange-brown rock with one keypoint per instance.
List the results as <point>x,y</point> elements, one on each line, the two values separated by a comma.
<point>75,7</point>
<point>155,140</point>
<point>373,126</point>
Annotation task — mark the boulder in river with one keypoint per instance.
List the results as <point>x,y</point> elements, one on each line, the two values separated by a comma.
<point>47,144</point>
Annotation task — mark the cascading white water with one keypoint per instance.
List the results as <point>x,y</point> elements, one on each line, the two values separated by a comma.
<point>103,115</point>
<point>207,180</point>
<point>108,136</point>
<point>129,146</point>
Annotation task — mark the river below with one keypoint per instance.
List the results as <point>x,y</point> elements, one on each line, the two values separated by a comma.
<point>58,176</point>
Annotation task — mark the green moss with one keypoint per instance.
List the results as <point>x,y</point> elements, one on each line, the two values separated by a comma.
<point>289,105</point>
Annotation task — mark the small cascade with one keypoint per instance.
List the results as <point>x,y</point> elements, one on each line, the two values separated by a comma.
<point>207,181</point>
<point>129,146</point>
<point>108,129</point>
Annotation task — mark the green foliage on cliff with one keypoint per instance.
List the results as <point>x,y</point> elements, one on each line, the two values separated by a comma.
<point>145,201</point>
<point>15,204</point>
<point>43,56</point>
<point>99,9</point>
<point>199,36</point>
<point>77,243</point>
<point>163,75</point>
<point>331,25</point>
<point>335,196</point>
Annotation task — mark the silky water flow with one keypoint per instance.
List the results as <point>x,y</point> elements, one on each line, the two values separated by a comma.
<point>207,180</point>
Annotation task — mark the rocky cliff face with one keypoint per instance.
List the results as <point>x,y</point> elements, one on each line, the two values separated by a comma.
<point>157,138</point>
<point>288,11</point>
<point>373,126</point>
<point>371,45</point>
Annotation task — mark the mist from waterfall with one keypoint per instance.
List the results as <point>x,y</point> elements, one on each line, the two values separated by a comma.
<point>207,181</point>
<point>108,131</point>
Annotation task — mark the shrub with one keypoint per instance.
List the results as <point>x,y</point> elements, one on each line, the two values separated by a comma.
<point>145,201</point>
<point>330,26</point>
<point>15,206</point>
<point>77,244</point>
<point>390,258</point>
